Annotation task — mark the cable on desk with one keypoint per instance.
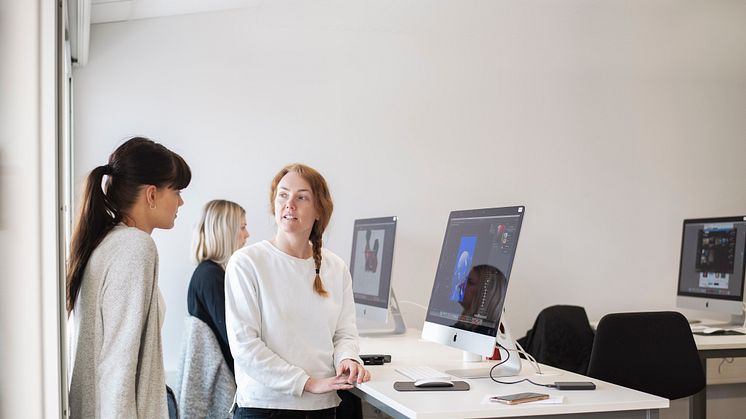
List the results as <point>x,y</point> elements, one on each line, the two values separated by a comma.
<point>528,356</point>
<point>513,382</point>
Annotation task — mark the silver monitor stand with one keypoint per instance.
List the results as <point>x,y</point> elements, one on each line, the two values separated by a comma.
<point>399,326</point>
<point>509,368</point>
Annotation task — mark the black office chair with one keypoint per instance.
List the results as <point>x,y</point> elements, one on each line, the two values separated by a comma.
<point>561,337</point>
<point>652,352</point>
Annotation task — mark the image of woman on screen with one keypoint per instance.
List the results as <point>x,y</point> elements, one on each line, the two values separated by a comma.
<point>114,304</point>
<point>484,295</point>
<point>461,269</point>
<point>220,232</point>
<point>289,309</point>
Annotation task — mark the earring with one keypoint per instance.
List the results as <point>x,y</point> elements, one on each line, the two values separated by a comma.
<point>152,206</point>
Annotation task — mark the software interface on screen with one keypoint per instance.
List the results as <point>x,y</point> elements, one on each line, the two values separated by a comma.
<point>370,264</point>
<point>472,275</point>
<point>712,259</point>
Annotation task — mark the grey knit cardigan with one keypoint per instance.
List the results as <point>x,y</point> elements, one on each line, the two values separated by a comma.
<point>115,343</point>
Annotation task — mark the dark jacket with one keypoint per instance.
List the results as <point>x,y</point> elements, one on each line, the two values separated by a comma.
<point>561,337</point>
<point>206,301</point>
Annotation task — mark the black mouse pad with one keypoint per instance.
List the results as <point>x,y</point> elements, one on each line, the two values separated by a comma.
<point>409,386</point>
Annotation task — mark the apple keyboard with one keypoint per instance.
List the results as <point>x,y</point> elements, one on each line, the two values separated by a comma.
<point>706,330</point>
<point>419,373</point>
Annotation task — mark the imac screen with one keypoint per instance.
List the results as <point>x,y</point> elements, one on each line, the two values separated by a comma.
<point>712,258</point>
<point>371,260</point>
<point>475,262</point>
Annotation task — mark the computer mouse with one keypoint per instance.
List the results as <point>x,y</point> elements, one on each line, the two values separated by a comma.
<point>433,382</point>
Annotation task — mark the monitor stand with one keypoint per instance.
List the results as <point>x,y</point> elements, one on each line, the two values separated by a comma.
<point>399,326</point>
<point>481,369</point>
<point>736,321</point>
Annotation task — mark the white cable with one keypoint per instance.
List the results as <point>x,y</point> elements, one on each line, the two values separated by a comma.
<point>414,304</point>
<point>529,357</point>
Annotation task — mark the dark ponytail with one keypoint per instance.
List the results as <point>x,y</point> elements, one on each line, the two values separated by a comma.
<point>137,162</point>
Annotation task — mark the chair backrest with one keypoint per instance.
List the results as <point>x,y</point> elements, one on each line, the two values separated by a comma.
<point>561,337</point>
<point>653,352</point>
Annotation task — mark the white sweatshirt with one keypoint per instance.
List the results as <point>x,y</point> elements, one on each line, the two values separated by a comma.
<point>281,332</point>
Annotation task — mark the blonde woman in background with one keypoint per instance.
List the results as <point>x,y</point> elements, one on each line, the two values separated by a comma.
<point>220,232</point>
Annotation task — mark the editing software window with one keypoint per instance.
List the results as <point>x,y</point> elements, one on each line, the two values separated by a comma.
<point>716,251</point>
<point>713,259</point>
<point>473,272</point>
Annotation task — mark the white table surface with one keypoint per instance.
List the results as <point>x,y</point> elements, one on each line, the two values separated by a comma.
<point>410,350</point>
<point>718,342</point>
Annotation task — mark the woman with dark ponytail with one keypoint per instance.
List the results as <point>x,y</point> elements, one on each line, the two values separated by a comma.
<point>289,310</point>
<point>113,301</point>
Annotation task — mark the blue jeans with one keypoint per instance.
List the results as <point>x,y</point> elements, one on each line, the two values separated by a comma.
<point>256,413</point>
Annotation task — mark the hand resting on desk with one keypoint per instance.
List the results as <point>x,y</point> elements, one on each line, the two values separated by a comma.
<point>349,372</point>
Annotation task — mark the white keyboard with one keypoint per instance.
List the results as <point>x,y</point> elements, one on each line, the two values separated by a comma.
<point>418,373</point>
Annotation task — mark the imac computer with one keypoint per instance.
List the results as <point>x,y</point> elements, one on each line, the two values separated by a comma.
<point>370,266</point>
<point>472,278</point>
<point>711,270</point>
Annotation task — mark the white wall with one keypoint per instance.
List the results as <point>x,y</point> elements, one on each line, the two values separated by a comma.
<point>30,316</point>
<point>611,121</point>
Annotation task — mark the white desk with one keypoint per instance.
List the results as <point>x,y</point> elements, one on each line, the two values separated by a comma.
<point>607,401</point>
<point>715,347</point>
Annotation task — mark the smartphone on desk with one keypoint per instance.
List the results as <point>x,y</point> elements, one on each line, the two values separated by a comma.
<point>519,398</point>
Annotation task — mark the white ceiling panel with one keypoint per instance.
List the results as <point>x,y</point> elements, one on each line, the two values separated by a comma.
<point>106,11</point>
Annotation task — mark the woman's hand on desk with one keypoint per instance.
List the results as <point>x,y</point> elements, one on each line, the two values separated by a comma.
<point>354,372</point>
<point>325,385</point>
<point>349,372</point>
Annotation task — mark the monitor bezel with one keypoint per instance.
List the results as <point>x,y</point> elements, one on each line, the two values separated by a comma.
<point>376,311</point>
<point>435,328</point>
<point>686,302</point>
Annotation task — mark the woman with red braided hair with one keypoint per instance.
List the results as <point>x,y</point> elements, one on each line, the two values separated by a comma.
<point>289,310</point>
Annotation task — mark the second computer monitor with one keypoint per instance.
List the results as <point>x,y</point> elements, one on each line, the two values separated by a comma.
<point>713,263</point>
<point>472,278</point>
<point>370,266</point>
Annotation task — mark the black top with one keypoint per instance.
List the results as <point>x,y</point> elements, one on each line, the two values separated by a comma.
<point>206,301</point>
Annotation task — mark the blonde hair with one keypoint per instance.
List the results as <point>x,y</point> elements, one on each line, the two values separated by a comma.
<point>322,199</point>
<point>216,236</point>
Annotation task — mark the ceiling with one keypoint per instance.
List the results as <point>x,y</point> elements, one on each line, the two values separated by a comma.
<point>81,14</point>
<point>107,11</point>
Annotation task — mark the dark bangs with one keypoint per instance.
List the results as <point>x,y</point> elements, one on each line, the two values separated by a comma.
<point>181,174</point>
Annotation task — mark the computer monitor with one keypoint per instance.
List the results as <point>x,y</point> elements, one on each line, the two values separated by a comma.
<point>370,266</point>
<point>711,270</point>
<point>472,278</point>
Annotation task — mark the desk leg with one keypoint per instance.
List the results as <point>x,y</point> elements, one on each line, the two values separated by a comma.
<point>698,402</point>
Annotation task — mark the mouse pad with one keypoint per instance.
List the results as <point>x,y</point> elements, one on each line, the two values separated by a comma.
<point>409,386</point>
